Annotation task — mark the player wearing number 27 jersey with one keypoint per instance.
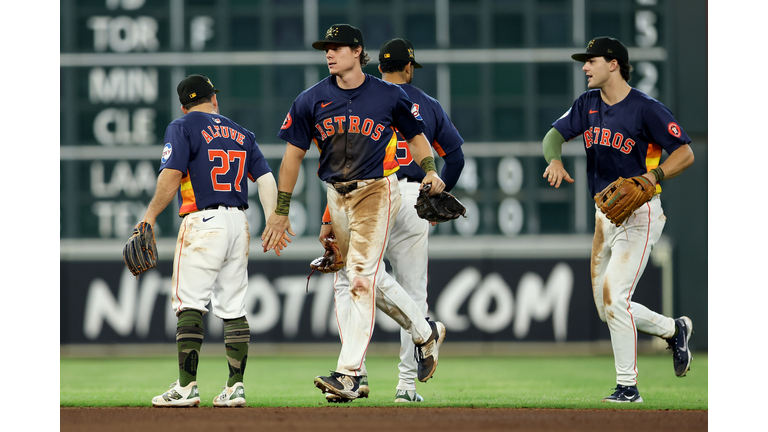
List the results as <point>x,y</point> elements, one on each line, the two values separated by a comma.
<point>207,161</point>
<point>221,154</point>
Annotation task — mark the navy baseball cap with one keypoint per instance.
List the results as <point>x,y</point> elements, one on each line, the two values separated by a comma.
<point>342,34</point>
<point>194,87</point>
<point>398,50</point>
<point>603,46</point>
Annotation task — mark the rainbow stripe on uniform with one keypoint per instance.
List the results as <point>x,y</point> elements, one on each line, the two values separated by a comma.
<point>188,202</point>
<point>652,159</point>
<point>391,164</point>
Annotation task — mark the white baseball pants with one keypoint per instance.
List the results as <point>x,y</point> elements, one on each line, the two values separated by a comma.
<point>362,221</point>
<point>211,262</point>
<point>407,252</point>
<point>619,257</point>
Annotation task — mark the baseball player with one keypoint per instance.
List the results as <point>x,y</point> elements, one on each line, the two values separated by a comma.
<point>407,249</point>
<point>207,160</point>
<point>624,133</point>
<point>351,117</point>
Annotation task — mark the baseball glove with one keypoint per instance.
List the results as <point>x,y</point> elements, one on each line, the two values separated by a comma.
<point>442,207</point>
<point>331,260</point>
<point>140,253</point>
<point>622,197</point>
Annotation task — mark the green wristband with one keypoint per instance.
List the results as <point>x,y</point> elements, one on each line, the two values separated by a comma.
<point>428,164</point>
<point>283,203</point>
<point>658,173</point>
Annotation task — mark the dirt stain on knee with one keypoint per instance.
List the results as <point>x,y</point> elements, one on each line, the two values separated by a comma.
<point>361,288</point>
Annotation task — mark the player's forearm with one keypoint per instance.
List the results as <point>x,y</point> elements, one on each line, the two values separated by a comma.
<point>553,145</point>
<point>676,163</point>
<point>267,193</point>
<point>454,164</point>
<point>167,185</point>
<point>420,150</point>
<point>289,173</point>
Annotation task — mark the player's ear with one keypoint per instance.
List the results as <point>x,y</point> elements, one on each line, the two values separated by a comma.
<point>381,71</point>
<point>184,110</point>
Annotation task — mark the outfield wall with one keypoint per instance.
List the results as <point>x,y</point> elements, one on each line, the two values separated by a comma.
<point>513,293</point>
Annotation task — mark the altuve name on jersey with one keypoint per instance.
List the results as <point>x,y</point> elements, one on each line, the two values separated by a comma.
<point>604,137</point>
<point>368,127</point>
<point>223,132</point>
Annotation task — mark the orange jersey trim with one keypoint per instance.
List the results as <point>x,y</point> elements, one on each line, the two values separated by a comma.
<point>439,149</point>
<point>326,214</point>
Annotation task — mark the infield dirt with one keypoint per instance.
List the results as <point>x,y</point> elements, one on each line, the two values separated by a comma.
<point>332,418</point>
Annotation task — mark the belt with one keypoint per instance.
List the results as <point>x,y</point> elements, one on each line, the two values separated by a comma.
<point>344,189</point>
<point>412,180</point>
<point>222,206</point>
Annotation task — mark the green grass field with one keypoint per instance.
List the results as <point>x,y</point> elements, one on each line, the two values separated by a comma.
<point>573,382</point>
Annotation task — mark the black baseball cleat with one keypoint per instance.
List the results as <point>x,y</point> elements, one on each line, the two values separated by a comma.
<point>426,353</point>
<point>345,386</point>
<point>681,352</point>
<point>624,394</point>
<point>362,392</point>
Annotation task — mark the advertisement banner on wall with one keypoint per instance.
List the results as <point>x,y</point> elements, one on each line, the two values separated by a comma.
<point>488,300</point>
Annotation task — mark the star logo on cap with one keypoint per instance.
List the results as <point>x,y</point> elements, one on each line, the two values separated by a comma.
<point>592,42</point>
<point>209,82</point>
<point>333,31</point>
<point>410,52</point>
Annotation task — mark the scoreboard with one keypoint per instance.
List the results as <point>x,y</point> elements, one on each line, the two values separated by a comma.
<point>502,69</point>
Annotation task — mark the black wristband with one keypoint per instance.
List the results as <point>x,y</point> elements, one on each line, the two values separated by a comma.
<point>327,223</point>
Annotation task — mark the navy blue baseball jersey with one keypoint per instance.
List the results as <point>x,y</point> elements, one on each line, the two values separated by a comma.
<point>354,130</point>
<point>217,157</point>
<point>621,140</point>
<point>438,129</point>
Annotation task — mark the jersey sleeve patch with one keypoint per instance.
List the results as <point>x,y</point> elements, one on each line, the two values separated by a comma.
<point>415,111</point>
<point>167,150</point>
<point>674,129</point>
<point>287,122</point>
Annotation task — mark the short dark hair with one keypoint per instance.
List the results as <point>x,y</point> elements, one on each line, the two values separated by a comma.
<point>624,68</point>
<point>200,101</point>
<point>393,66</point>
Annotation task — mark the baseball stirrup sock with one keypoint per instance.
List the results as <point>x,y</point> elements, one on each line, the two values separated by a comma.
<point>237,334</point>
<point>189,339</point>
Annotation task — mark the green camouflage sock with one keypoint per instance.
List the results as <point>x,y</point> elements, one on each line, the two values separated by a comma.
<point>189,339</point>
<point>237,334</point>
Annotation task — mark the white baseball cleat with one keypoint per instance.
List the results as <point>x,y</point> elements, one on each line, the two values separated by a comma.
<point>408,396</point>
<point>178,396</point>
<point>231,396</point>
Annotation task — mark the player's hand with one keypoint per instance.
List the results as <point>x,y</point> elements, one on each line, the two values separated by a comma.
<point>282,244</point>
<point>556,173</point>
<point>274,236</point>
<point>437,183</point>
